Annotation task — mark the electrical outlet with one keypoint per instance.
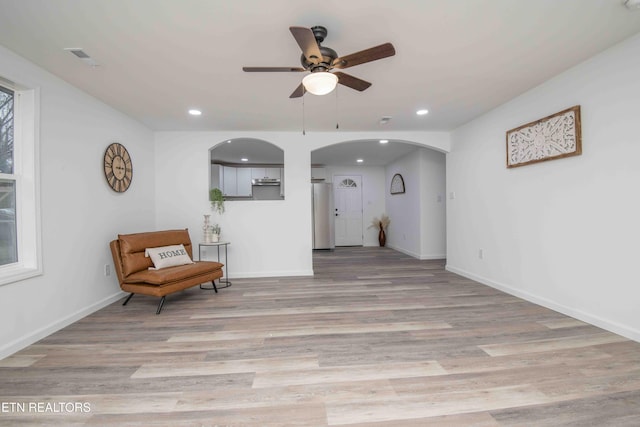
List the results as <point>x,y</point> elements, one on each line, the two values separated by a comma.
<point>452,195</point>
<point>107,270</point>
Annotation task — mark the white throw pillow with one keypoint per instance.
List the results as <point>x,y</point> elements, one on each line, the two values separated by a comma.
<point>168,256</point>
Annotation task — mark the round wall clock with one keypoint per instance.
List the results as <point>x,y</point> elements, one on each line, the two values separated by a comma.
<point>117,167</point>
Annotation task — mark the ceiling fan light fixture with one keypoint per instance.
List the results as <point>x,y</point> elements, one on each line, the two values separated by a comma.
<point>632,4</point>
<point>320,83</point>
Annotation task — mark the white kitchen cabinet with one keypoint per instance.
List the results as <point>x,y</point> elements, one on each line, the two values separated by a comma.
<point>243,182</point>
<point>216,177</point>
<point>282,183</point>
<point>229,181</point>
<point>257,173</point>
<point>318,173</point>
<point>272,173</point>
<point>236,181</point>
<point>261,173</point>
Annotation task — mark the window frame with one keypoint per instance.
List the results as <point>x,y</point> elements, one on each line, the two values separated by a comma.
<point>26,176</point>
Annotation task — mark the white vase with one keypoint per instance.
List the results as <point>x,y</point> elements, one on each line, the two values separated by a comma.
<point>214,238</point>
<point>206,228</point>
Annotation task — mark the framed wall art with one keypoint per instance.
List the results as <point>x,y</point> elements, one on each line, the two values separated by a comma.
<point>397,184</point>
<point>552,137</point>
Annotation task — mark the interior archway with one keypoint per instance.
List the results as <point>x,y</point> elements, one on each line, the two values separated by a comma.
<point>417,216</point>
<point>247,169</point>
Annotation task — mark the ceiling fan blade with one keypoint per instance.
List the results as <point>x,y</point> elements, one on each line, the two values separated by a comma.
<point>271,69</point>
<point>298,92</point>
<point>307,42</point>
<point>352,82</point>
<point>367,55</point>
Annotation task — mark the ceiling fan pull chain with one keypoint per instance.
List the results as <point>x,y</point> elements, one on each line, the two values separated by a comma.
<point>303,90</point>
<point>337,126</point>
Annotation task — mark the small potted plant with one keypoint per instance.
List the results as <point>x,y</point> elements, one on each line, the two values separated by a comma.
<point>217,200</point>
<point>215,233</point>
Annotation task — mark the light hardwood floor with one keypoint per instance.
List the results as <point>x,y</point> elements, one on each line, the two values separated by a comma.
<point>376,338</point>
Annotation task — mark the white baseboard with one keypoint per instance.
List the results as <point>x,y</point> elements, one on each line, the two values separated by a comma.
<point>415,255</point>
<point>259,274</point>
<point>427,257</point>
<point>34,337</point>
<point>598,321</point>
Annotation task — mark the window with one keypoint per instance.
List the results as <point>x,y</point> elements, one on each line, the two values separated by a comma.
<point>347,183</point>
<point>19,225</point>
<point>8,230</point>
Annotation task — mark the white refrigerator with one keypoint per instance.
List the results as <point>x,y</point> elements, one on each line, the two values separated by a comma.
<point>323,216</point>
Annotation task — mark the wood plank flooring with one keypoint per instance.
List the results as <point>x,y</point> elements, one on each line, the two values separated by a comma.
<point>376,338</point>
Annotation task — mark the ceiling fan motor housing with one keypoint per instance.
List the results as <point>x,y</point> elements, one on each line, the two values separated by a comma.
<point>328,55</point>
<point>319,32</point>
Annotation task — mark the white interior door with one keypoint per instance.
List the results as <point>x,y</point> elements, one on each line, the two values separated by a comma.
<point>347,196</point>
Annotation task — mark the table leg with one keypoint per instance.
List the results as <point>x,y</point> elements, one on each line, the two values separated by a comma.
<point>226,281</point>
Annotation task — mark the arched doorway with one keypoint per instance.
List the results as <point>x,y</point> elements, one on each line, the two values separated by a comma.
<point>361,173</point>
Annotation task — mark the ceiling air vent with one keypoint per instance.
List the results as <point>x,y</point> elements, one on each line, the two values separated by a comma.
<point>78,52</point>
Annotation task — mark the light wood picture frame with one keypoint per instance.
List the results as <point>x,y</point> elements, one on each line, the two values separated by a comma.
<point>552,137</point>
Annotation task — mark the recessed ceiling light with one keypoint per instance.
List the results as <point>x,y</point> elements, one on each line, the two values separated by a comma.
<point>384,141</point>
<point>244,159</point>
<point>359,160</point>
<point>422,112</point>
<point>195,112</point>
<point>229,142</point>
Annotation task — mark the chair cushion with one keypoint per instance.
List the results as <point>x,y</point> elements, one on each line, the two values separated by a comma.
<point>173,274</point>
<point>132,247</point>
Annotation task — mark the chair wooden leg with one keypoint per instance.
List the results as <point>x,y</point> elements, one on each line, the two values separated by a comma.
<point>128,298</point>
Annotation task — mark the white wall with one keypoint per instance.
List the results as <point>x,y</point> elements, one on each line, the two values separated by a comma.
<point>433,215</point>
<point>417,216</point>
<point>80,214</point>
<point>403,233</point>
<point>562,233</point>
<point>268,238</point>
<point>373,205</point>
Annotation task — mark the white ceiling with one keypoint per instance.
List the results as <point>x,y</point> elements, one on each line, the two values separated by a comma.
<point>459,59</point>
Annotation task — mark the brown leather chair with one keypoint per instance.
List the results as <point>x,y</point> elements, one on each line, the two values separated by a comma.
<point>134,275</point>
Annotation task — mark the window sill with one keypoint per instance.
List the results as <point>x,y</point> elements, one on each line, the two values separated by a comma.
<point>16,273</point>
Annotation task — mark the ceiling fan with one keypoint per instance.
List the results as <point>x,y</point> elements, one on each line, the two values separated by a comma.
<point>321,60</point>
